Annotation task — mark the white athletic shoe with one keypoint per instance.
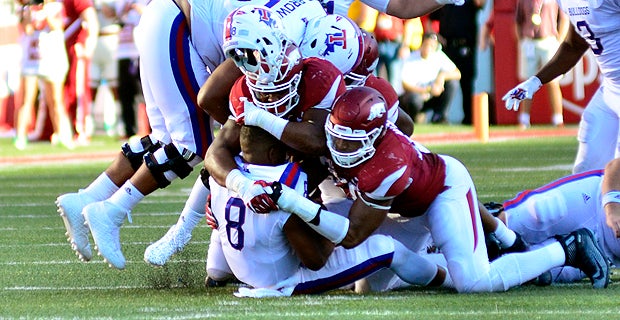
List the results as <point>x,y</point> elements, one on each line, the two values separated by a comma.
<point>158,253</point>
<point>70,207</point>
<point>104,220</point>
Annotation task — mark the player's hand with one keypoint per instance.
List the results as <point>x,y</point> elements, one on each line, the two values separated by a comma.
<point>258,198</point>
<point>285,197</point>
<point>210,217</point>
<point>612,212</point>
<point>525,90</point>
<point>251,113</point>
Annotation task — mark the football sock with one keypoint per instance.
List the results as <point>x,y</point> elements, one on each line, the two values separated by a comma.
<point>506,236</point>
<point>127,197</point>
<point>194,210</point>
<point>101,188</point>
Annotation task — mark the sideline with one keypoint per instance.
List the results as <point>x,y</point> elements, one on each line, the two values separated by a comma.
<point>499,134</point>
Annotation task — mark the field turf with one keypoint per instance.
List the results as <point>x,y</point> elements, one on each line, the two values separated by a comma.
<point>40,277</point>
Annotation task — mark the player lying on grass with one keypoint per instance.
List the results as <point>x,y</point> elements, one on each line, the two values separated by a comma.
<point>389,173</point>
<point>589,199</point>
<point>264,250</point>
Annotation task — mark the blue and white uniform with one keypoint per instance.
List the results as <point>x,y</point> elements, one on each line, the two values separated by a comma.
<point>598,22</point>
<point>254,242</point>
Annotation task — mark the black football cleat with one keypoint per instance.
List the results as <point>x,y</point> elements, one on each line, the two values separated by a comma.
<point>582,251</point>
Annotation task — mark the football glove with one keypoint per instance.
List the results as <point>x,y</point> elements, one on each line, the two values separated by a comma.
<point>209,216</point>
<point>252,192</point>
<point>525,90</point>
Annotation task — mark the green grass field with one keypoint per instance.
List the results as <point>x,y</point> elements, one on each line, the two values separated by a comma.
<point>40,277</point>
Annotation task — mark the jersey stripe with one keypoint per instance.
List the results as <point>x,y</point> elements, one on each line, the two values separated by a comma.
<point>186,82</point>
<point>291,174</point>
<point>524,195</point>
<point>350,275</point>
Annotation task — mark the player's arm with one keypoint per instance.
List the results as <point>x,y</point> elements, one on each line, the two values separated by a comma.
<point>220,163</point>
<point>404,122</point>
<point>611,195</point>
<point>308,136</point>
<point>219,159</point>
<point>310,247</point>
<point>407,9</point>
<point>568,54</point>
<point>365,216</point>
<point>213,95</point>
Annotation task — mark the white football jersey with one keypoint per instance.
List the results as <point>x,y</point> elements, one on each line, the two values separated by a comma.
<point>254,245</point>
<point>208,22</point>
<point>598,22</point>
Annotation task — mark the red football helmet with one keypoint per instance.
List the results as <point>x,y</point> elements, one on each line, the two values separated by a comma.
<point>279,95</point>
<point>334,38</point>
<point>370,59</point>
<point>358,118</point>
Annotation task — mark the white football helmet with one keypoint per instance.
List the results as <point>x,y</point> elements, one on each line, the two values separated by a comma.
<point>358,118</point>
<point>254,38</point>
<point>336,39</point>
<point>253,35</point>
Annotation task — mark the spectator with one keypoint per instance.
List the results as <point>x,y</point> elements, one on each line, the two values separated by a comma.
<point>458,26</point>
<point>430,80</point>
<point>81,32</point>
<point>129,88</point>
<point>539,26</point>
<point>45,59</point>
<point>104,63</point>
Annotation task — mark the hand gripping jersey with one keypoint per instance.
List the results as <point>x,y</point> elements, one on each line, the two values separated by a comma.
<point>320,84</point>
<point>254,245</point>
<point>399,170</point>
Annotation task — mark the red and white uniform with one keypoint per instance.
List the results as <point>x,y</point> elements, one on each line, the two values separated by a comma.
<point>598,22</point>
<point>320,85</point>
<point>175,62</point>
<point>388,92</point>
<point>439,194</point>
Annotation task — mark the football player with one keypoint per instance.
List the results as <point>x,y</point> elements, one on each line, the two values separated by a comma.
<point>357,59</point>
<point>283,247</point>
<point>583,200</point>
<point>177,54</point>
<point>389,173</point>
<point>595,26</point>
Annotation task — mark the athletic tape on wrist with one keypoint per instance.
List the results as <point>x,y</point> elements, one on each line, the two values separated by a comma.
<point>611,196</point>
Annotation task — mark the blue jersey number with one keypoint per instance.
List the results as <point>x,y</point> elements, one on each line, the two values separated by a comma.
<point>235,218</point>
<point>595,43</point>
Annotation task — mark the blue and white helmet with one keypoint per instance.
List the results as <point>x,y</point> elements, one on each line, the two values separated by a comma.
<point>336,39</point>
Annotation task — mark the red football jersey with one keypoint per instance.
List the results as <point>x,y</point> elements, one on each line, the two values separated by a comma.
<point>388,92</point>
<point>399,170</point>
<point>320,84</point>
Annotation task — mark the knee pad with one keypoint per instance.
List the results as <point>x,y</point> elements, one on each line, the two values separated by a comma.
<point>168,163</point>
<point>135,150</point>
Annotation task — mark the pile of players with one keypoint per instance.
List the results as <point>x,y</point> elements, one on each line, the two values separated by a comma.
<point>313,178</point>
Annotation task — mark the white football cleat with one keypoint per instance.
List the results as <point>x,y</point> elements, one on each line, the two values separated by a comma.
<point>70,207</point>
<point>104,220</point>
<point>158,253</point>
